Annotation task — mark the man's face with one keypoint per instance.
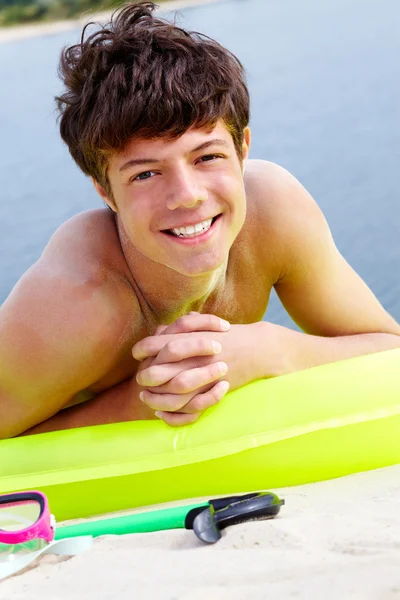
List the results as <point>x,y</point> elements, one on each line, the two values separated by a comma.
<point>181,202</point>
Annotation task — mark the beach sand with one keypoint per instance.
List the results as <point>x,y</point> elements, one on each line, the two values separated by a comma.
<point>337,539</point>
<point>20,32</point>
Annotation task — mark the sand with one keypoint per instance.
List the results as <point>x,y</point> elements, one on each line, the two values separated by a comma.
<point>337,539</point>
<point>20,32</point>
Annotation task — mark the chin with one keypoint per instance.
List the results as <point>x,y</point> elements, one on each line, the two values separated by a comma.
<point>201,268</point>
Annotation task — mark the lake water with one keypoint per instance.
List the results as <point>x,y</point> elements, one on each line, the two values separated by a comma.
<point>325,83</point>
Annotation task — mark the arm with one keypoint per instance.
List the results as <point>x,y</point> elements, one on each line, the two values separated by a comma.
<point>56,333</point>
<point>116,405</point>
<point>338,313</point>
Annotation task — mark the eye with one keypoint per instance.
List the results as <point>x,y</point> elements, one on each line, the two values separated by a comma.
<point>143,176</point>
<point>210,157</point>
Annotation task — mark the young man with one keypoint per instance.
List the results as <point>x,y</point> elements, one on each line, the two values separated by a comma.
<point>153,305</point>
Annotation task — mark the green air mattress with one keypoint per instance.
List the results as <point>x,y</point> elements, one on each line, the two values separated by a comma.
<point>316,424</point>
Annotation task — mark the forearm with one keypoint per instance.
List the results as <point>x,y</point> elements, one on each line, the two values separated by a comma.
<point>296,351</point>
<point>116,405</point>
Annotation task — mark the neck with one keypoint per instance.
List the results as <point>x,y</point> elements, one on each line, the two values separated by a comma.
<point>165,294</point>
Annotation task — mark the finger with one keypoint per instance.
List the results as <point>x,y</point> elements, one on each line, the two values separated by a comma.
<point>191,402</point>
<point>200,402</point>
<point>193,379</point>
<point>167,371</point>
<point>165,402</point>
<point>197,322</point>
<point>157,375</point>
<point>148,346</point>
<point>173,369</point>
<point>161,328</point>
<point>181,348</point>
<point>151,345</point>
<point>185,381</point>
<point>195,407</point>
<point>177,419</point>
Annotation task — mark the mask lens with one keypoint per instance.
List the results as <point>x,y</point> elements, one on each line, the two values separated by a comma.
<point>11,551</point>
<point>18,515</point>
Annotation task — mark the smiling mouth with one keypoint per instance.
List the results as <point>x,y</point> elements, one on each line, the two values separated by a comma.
<point>192,231</point>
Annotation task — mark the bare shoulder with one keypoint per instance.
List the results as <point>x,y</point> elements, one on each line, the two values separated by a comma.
<point>282,210</point>
<point>84,258</point>
<point>68,317</point>
<point>86,243</point>
<point>273,191</point>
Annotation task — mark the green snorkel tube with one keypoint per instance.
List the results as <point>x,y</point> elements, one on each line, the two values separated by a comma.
<point>206,520</point>
<point>38,534</point>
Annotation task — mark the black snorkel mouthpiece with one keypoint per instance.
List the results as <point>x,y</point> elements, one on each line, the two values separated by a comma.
<point>208,522</point>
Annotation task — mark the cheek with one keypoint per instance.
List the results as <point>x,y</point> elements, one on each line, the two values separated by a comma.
<point>235,192</point>
<point>135,222</point>
<point>232,183</point>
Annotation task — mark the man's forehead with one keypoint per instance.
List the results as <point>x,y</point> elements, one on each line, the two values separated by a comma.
<point>160,146</point>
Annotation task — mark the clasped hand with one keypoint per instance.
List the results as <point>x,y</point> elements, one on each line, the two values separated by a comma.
<point>188,366</point>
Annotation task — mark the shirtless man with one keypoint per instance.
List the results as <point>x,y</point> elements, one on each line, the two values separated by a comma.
<point>152,306</point>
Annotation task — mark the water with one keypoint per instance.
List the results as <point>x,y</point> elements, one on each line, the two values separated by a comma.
<point>325,83</point>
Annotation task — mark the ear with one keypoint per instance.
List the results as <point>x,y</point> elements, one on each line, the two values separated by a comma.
<point>246,146</point>
<point>104,196</point>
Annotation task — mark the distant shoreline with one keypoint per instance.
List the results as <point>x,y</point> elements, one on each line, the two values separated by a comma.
<point>20,32</point>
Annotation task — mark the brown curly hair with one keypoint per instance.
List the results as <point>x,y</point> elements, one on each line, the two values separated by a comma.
<point>143,76</point>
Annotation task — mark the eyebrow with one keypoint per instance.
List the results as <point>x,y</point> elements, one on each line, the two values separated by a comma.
<point>148,161</point>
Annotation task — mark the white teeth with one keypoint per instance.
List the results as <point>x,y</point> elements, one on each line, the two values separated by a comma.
<point>192,230</point>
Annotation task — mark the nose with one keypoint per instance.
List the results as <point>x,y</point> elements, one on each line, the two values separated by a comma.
<point>185,192</point>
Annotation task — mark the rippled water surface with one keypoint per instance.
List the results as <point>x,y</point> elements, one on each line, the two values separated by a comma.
<point>325,83</point>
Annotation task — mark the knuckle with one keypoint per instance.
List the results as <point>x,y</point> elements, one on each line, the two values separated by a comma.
<point>145,342</point>
<point>198,404</point>
<point>160,403</point>
<point>213,320</point>
<point>209,399</point>
<point>153,345</point>
<point>173,403</point>
<point>181,322</point>
<point>182,382</point>
<point>194,406</point>
<point>205,344</point>
<point>173,349</point>
<point>146,346</point>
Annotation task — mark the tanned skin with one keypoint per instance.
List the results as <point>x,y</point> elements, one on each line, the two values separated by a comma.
<point>117,306</point>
